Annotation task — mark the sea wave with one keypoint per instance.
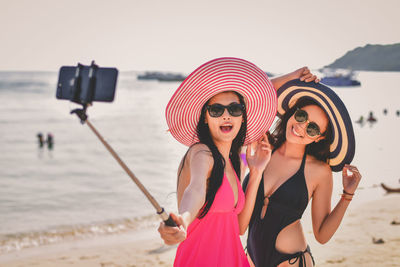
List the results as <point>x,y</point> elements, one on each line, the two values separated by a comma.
<point>18,241</point>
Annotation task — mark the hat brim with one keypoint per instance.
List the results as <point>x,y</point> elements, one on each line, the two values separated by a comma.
<point>214,77</point>
<point>342,148</point>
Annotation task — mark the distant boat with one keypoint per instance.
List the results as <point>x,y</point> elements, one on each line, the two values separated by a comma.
<point>389,189</point>
<point>339,78</point>
<point>161,76</point>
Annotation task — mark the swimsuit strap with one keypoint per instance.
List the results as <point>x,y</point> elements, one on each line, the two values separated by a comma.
<point>303,162</point>
<point>300,256</point>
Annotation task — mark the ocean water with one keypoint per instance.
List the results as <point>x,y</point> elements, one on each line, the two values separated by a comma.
<point>77,189</point>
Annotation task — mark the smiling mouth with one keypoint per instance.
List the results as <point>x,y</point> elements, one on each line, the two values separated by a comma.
<point>226,128</point>
<point>296,133</point>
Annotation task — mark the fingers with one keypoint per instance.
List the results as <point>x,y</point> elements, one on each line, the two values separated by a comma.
<point>307,76</point>
<point>166,232</point>
<point>171,235</point>
<point>264,138</point>
<point>248,151</point>
<point>344,171</point>
<point>163,229</point>
<point>264,143</point>
<point>305,70</point>
<point>312,78</point>
<point>351,168</point>
<point>177,219</point>
<point>350,182</point>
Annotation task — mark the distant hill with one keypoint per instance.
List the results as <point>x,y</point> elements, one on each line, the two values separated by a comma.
<point>371,57</point>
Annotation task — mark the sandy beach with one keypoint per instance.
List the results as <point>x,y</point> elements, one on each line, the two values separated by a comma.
<point>351,246</point>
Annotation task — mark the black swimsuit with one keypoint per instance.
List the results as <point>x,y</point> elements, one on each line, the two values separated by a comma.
<point>286,205</point>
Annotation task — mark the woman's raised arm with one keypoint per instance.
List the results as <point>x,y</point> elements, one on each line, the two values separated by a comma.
<point>257,164</point>
<point>304,74</point>
<point>325,221</point>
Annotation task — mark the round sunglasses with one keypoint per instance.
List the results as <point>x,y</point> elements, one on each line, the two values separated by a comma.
<point>234,109</point>
<point>312,128</point>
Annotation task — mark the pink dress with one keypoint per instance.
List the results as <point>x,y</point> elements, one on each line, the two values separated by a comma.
<point>214,239</point>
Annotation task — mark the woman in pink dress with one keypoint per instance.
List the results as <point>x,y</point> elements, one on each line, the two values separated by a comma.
<point>225,103</point>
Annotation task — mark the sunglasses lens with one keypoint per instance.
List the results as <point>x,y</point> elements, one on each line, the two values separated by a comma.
<point>313,129</point>
<point>216,110</point>
<point>235,110</point>
<point>300,115</point>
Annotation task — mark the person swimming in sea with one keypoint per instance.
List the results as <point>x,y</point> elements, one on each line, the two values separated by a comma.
<point>371,118</point>
<point>40,140</point>
<point>50,141</point>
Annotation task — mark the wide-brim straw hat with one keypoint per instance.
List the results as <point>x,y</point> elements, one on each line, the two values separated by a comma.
<point>342,148</point>
<point>214,77</point>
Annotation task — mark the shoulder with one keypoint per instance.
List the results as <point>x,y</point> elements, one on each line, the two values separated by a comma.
<point>200,154</point>
<point>319,176</point>
<point>316,169</point>
<point>199,150</point>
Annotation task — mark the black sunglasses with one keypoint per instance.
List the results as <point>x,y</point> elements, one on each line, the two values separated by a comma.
<point>312,128</point>
<point>234,109</point>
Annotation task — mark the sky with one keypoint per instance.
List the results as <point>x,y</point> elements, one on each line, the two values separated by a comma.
<point>172,35</point>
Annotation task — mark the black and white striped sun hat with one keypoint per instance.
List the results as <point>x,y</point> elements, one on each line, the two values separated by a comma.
<point>343,146</point>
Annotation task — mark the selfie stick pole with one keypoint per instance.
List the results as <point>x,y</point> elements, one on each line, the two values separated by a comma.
<point>160,211</point>
<point>81,113</point>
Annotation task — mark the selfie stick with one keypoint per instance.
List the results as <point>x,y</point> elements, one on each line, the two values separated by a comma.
<point>81,113</point>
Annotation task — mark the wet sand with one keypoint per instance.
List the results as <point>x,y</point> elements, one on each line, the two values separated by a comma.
<point>351,246</point>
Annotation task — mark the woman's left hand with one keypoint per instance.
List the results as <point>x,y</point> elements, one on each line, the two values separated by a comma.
<point>350,182</point>
<point>262,154</point>
<point>304,74</point>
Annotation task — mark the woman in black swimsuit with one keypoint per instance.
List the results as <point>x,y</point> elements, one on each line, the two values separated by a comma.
<point>313,138</point>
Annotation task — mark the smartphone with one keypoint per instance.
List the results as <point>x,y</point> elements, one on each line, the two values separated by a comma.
<point>84,84</point>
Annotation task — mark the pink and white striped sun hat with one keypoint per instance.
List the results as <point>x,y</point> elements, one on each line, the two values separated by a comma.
<point>214,77</point>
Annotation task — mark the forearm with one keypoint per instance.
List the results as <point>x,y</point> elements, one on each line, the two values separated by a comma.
<point>192,201</point>
<point>251,194</point>
<point>332,222</point>
<point>281,80</point>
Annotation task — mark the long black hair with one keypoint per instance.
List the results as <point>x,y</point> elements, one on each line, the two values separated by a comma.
<point>217,173</point>
<point>320,150</point>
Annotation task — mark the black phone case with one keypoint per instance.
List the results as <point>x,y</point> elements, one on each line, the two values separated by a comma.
<point>105,83</point>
